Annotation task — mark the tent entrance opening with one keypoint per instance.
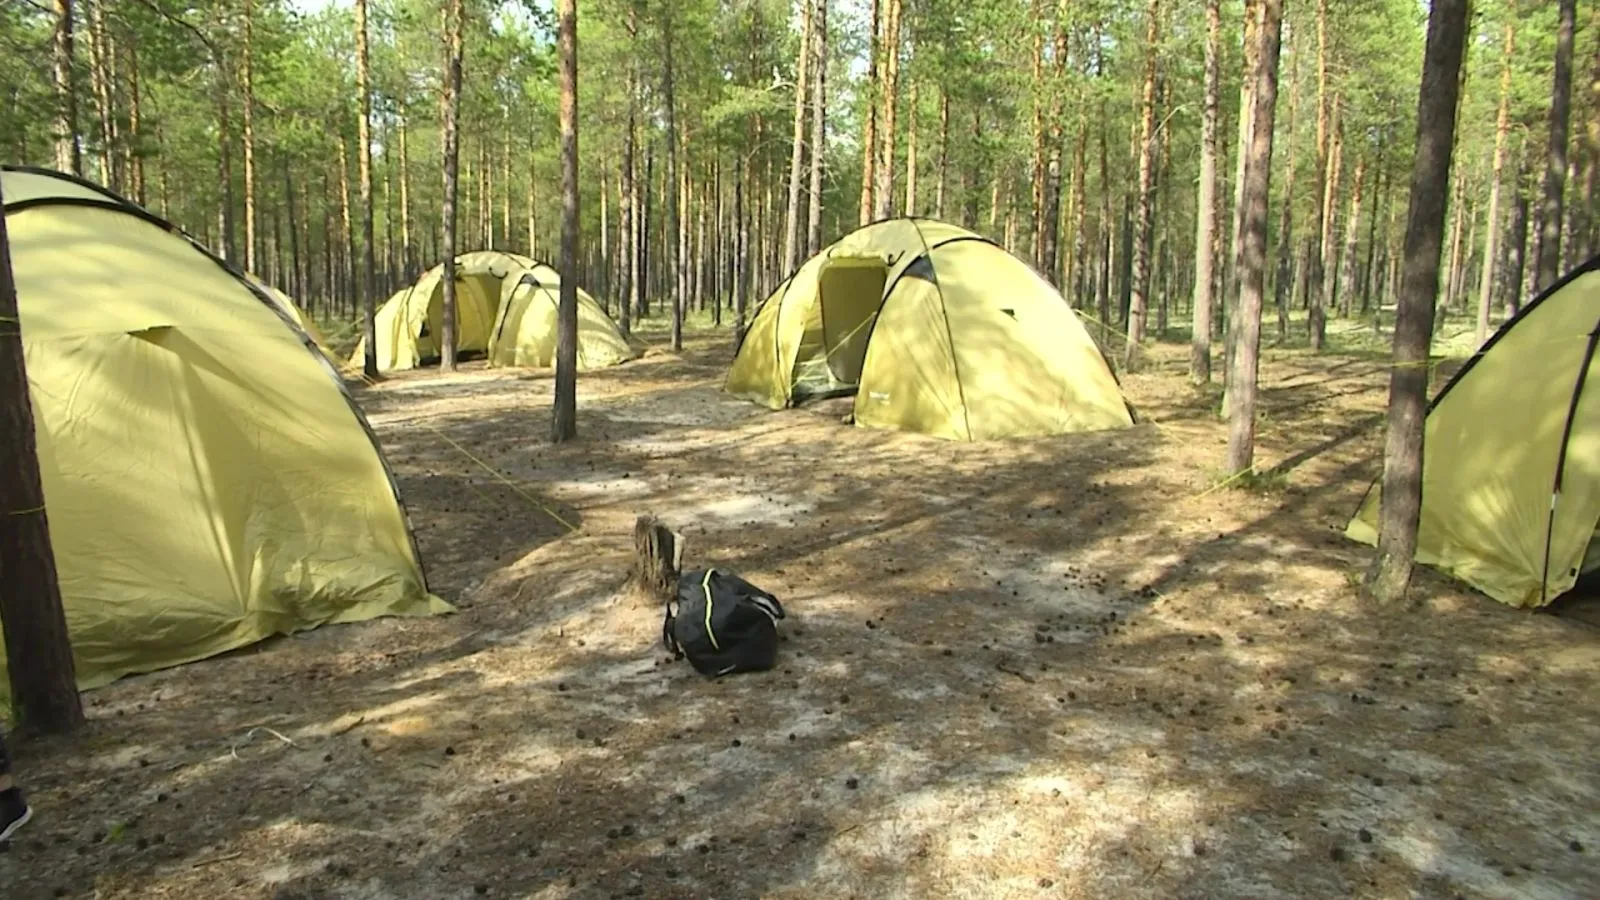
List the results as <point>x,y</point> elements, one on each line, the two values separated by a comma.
<point>477,303</point>
<point>834,346</point>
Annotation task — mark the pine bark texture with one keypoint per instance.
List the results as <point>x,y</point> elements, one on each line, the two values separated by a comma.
<point>1315,274</point>
<point>888,99</point>
<point>819,125</point>
<point>1283,286</point>
<point>452,159</point>
<point>1401,505</point>
<point>1502,131</point>
<point>38,649</point>
<point>869,125</point>
<point>565,419</point>
<point>369,275</point>
<point>69,153</point>
<point>247,113</point>
<point>1245,326</point>
<point>1205,251</point>
<point>802,67</point>
<point>1548,259</point>
<point>1146,203</point>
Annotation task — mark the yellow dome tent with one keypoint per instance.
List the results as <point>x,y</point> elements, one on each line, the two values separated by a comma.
<point>1511,455</point>
<point>524,332</point>
<point>208,481</point>
<point>293,310</point>
<point>500,305</point>
<point>934,329</point>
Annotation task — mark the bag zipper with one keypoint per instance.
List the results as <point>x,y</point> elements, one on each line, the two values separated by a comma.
<point>705,585</point>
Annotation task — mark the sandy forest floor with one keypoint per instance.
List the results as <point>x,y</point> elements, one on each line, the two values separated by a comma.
<point>1051,668</point>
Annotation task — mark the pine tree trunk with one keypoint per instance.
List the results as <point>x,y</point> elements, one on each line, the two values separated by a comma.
<point>716,257</point>
<point>819,125</point>
<point>1588,218</point>
<point>1036,169</point>
<point>1314,257</point>
<point>1284,282</point>
<point>972,177</point>
<point>636,243</point>
<point>533,210</point>
<point>1245,326</point>
<point>1329,240</point>
<point>1078,248</point>
<point>1107,226</point>
<point>673,178</point>
<point>1161,260</point>
<point>505,192</point>
<point>604,279</point>
<point>100,82</point>
<point>869,124</point>
<point>347,234</point>
<point>69,151</point>
<point>741,251</point>
<point>296,283</point>
<point>647,276</point>
<point>1370,267</point>
<point>802,67</point>
<point>486,235</point>
<point>696,268</point>
<point>247,104</point>
<point>911,151</point>
<point>229,249</point>
<point>38,647</point>
<point>407,252</point>
<point>1401,504</point>
<point>1049,244</point>
<point>1502,130</point>
<point>1547,259</point>
<point>1517,248</point>
<point>767,204</point>
<point>944,153</point>
<point>390,253</point>
<point>629,201</point>
<point>369,286</point>
<point>1253,10</point>
<point>1206,204</point>
<point>1146,204</point>
<point>1350,266</point>
<point>565,424</point>
<point>328,288</point>
<point>133,145</point>
<point>1452,273</point>
<point>889,98</point>
<point>451,126</point>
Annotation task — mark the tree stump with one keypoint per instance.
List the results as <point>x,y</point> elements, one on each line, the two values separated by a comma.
<point>657,557</point>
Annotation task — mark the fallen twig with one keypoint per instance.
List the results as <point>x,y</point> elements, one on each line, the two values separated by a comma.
<point>234,750</point>
<point>216,859</point>
<point>1017,672</point>
<point>349,728</point>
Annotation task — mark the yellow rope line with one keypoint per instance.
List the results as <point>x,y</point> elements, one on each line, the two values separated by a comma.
<point>503,479</point>
<point>498,475</point>
<point>26,512</point>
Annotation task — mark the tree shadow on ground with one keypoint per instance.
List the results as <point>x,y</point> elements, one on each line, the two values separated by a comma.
<point>1043,668</point>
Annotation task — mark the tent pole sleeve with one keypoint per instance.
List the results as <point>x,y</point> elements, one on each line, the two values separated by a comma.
<point>1561,459</point>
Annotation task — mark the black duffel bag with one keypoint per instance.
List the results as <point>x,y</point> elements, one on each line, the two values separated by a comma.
<point>722,623</point>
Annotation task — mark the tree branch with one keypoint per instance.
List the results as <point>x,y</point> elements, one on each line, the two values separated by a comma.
<point>216,55</point>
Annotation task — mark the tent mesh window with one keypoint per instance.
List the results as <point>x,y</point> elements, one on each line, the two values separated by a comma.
<point>833,347</point>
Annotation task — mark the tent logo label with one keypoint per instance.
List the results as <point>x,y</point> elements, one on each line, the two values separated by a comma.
<point>879,396</point>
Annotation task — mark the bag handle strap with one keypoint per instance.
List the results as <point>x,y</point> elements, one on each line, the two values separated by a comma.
<point>667,640</point>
